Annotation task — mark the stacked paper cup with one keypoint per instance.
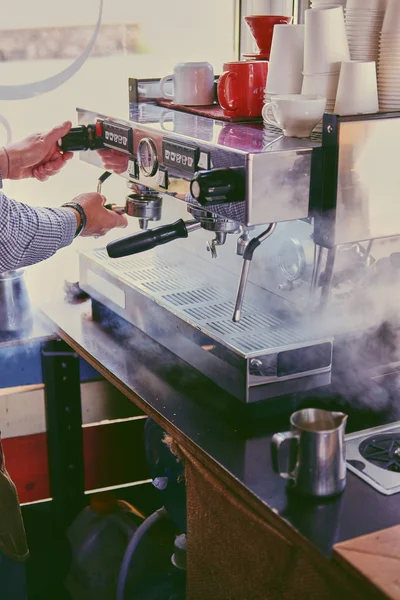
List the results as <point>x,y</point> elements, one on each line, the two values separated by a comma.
<point>357,92</point>
<point>389,59</point>
<point>325,48</point>
<point>285,62</point>
<point>364,20</point>
<point>322,3</point>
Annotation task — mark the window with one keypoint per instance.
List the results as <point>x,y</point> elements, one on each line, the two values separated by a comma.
<point>146,38</point>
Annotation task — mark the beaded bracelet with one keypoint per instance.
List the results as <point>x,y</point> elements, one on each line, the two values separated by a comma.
<point>82,214</point>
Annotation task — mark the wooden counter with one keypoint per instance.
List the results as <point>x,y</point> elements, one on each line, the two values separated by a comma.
<point>373,560</point>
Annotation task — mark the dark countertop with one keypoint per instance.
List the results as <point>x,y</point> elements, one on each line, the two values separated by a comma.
<point>227,435</point>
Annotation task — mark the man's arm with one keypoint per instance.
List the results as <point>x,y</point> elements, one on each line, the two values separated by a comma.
<point>37,155</point>
<point>29,235</point>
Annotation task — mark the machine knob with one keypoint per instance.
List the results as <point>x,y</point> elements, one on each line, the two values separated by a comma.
<point>219,186</point>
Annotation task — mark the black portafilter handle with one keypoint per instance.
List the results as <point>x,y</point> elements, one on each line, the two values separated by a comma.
<point>146,240</point>
<point>81,138</point>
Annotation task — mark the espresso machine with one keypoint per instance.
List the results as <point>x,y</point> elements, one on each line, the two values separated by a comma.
<point>258,255</point>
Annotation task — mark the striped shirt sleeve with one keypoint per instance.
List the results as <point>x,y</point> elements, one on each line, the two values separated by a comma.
<point>29,235</point>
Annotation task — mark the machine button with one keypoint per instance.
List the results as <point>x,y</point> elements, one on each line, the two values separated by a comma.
<point>162,179</point>
<point>195,189</point>
<point>204,160</point>
<point>133,169</point>
<point>219,185</point>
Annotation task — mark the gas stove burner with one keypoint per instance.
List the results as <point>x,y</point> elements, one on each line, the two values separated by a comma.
<point>374,456</point>
<point>383,451</point>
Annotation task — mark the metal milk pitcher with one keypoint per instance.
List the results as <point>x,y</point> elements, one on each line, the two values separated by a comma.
<point>15,306</point>
<point>313,454</point>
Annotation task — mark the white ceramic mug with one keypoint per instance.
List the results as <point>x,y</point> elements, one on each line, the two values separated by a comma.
<point>295,114</point>
<point>193,84</point>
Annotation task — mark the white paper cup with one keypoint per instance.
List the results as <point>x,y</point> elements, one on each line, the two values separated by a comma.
<point>324,84</point>
<point>286,60</point>
<point>357,90</point>
<point>371,21</point>
<point>325,40</point>
<point>295,114</point>
<point>391,63</point>
<point>390,36</point>
<point>326,5</point>
<point>366,26</point>
<point>391,22</point>
<point>366,5</point>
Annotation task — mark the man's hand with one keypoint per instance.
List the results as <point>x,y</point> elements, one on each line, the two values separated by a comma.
<point>37,155</point>
<point>99,220</point>
<point>114,160</point>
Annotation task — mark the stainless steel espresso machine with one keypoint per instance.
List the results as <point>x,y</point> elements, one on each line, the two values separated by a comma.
<point>258,254</point>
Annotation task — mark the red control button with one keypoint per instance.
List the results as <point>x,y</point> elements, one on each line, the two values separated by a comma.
<point>99,128</point>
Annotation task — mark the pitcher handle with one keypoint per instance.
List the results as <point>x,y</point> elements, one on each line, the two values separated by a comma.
<point>284,448</point>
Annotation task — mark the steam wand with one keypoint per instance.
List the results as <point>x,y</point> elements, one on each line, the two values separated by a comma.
<point>102,179</point>
<point>247,258</point>
<point>100,182</point>
<point>110,206</point>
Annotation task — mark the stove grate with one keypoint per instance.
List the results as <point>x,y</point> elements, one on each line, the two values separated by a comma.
<point>383,451</point>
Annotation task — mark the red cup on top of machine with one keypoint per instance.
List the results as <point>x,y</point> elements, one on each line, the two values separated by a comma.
<point>262,29</point>
<point>241,88</point>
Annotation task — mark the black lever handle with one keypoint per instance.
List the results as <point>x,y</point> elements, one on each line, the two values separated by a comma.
<point>140,242</point>
<point>81,138</point>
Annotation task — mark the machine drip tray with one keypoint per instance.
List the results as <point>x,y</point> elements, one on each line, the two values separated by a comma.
<point>187,306</point>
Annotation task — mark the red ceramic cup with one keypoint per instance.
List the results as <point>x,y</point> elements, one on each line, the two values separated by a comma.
<point>241,88</point>
<point>262,29</point>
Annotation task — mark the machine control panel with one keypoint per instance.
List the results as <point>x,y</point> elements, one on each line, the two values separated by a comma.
<point>180,157</point>
<point>237,171</point>
<point>117,136</point>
